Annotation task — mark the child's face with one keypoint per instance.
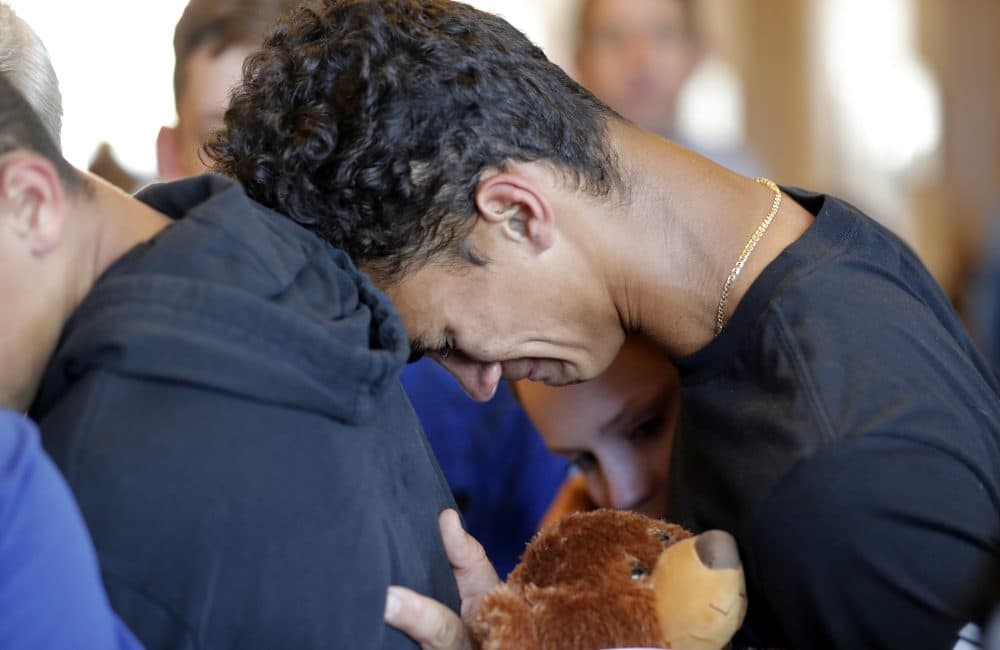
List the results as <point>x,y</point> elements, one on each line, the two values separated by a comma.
<point>618,429</point>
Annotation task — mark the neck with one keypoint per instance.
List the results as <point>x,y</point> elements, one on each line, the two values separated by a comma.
<point>99,228</point>
<point>119,221</point>
<point>687,221</point>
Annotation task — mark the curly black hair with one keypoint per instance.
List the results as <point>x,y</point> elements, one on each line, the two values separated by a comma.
<point>370,122</point>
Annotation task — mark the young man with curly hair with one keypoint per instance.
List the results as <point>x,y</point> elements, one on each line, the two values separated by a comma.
<point>495,463</point>
<point>839,421</point>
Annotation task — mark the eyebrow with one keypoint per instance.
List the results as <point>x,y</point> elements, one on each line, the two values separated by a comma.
<point>416,352</point>
<point>643,406</point>
<point>567,451</point>
<point>419,347</point>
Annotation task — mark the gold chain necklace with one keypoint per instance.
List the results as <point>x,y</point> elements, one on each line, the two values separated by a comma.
<point>751,244</point>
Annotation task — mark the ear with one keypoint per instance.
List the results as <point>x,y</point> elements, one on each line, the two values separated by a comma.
<point>168,159</point>
<point>517,204</point>
<point>32,201</point>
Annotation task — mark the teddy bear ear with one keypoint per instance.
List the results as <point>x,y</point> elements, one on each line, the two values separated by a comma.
<point>504,620</point>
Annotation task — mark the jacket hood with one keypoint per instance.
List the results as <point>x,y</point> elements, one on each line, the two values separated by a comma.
<point>234,297</point>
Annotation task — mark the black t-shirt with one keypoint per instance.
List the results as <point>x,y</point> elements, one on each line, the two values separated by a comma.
<point>845,429</point>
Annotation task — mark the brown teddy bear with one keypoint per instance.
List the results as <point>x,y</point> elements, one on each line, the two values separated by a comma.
<point>613,579</point>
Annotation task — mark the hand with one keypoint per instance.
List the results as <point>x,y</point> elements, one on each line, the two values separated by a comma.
<point>428,622</point>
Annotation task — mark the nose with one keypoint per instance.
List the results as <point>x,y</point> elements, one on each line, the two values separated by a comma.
<point>479,380</point>
<point>717,550</point>
<point>641,52</point>
<point>627,485</point>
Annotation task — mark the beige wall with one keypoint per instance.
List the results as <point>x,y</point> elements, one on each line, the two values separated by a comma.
<point>961,39</point>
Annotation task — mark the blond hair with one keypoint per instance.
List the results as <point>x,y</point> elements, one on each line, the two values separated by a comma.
<point>25,62</point>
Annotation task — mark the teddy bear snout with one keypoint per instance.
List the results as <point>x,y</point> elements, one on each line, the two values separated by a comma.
<point>717,550</point>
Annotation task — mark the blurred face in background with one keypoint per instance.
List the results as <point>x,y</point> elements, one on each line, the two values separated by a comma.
<point>618,429</point>
<point>200,109</point>
<point>635,55</point>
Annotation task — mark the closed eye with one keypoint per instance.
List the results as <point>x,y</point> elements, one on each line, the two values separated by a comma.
<point>585,461</point>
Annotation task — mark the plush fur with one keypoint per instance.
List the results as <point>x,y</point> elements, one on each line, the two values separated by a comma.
<point>583,583</point>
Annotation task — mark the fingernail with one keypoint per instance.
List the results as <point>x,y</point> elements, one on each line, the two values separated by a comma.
<point>391,604</point>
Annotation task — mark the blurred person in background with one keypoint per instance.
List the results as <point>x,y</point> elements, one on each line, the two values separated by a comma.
<point>502,476</point>
<point>211,41</point>
<point>637,55</point>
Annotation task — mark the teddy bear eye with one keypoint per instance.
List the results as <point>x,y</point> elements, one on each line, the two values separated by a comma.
<point>639,571</point>
<point>664,536</point>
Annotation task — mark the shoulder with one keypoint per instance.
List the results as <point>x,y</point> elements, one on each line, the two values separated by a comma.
<point>19,449</point>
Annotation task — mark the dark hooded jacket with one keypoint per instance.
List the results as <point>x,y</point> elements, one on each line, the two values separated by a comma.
<point>225,405</point>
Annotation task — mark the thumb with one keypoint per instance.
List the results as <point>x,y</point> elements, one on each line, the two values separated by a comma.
<point>474,573</point>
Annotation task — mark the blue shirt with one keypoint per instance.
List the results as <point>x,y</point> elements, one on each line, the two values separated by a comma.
<point>50,588</point>
<point>494,460</point>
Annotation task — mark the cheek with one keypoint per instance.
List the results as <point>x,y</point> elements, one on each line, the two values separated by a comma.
<point>15,288</point>
<point>596,489</point>
<point>659,455</point>
<point>656,465</point>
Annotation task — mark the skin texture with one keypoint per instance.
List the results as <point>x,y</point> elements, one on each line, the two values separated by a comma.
<point>484,312</point>
<point>200,108</point>
<point>58,244</point>
<point>568,274</point>
<point>618,429</point>
<point>636,55</point>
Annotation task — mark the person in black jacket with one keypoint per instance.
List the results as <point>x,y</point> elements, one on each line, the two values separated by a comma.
<point>223,400</point>
<point>838,419</point>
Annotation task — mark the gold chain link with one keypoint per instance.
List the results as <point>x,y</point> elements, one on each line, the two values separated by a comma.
<point>751,244</point>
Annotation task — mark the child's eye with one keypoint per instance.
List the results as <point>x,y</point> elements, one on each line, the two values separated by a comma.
<point>651,428</point>
<point>585,462</point>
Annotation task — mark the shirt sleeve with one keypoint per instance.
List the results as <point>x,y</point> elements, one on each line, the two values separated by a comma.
<point>51,594</point>
<point>879,542</point>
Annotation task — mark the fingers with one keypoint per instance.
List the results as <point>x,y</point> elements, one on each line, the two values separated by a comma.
<point>474,573</point>
<point>426,621</point>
